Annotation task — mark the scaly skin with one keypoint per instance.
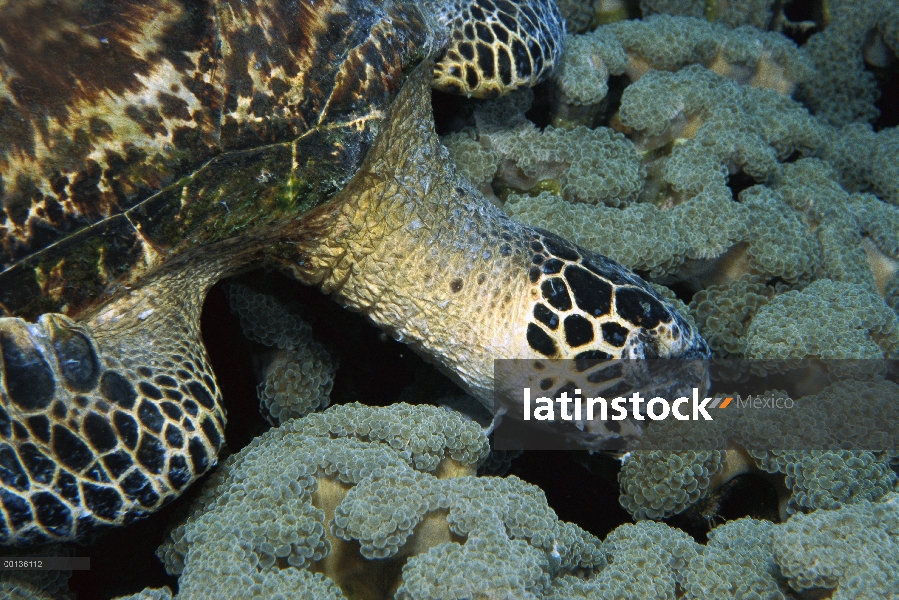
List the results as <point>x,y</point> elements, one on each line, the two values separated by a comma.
<point>430,260</point>
<point>421,252</point>
<point>105,418</point>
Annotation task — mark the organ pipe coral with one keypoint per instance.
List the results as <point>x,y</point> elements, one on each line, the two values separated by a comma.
<point>851,552</point>
<point>828,319</point>
<point>266,320</point>
<point>297,374</point>
<point>375,501</point>
<point>657,484</point>
<point>653,560</point>
<point>661,42</point>
<point>737,168</point>
<point>732,13</point>
<point>763,196</point>
<point>845,90</point>
<point>582,164</point>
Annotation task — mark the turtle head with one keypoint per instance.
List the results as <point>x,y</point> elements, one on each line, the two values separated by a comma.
<point>585,306</point>
<point>610,325</point>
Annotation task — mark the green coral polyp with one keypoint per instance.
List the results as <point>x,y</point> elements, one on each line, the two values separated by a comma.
<point>318,492</point>
<point>765,192</point>
<point>772,211</point>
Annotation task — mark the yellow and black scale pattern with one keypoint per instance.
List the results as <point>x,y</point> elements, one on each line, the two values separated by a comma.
<point>498,44</point>
<point>595,309</point>
<point>145,432</point>
<point>134,137</point>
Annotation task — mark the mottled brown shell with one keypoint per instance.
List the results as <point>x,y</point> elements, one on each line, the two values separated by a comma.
<point>133,131</point>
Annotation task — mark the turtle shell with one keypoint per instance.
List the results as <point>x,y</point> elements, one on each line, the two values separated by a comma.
<point>134,131</point>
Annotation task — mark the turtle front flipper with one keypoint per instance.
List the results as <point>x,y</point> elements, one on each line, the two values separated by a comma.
<point>497,46</point>
<point>104,422</point>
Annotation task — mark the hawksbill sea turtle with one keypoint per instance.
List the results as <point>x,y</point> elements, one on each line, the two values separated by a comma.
<point>149,149</point>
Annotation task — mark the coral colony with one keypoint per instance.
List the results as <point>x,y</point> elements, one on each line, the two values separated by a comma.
<point>747,177</point>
